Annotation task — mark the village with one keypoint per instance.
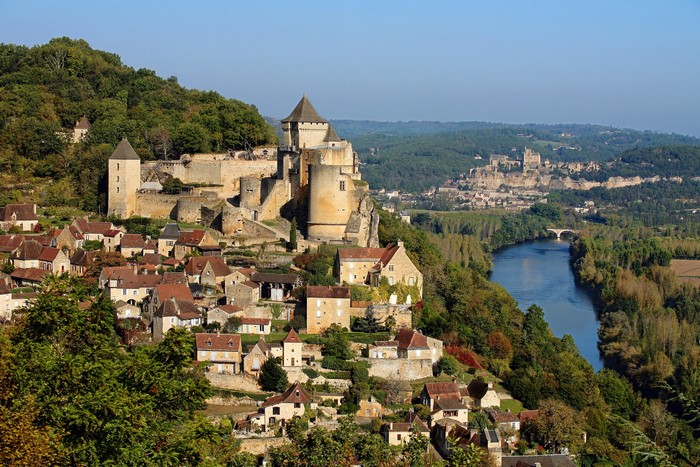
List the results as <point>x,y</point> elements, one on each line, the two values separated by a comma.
<point>241,285</point>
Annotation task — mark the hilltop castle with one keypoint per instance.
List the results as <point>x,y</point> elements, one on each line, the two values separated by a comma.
<point>314,175</point>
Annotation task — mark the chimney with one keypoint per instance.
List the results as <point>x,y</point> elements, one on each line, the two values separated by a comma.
<point>399,243</point>
<point>490,385</point>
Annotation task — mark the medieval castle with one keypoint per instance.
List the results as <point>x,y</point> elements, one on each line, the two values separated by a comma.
<point>313,176</point>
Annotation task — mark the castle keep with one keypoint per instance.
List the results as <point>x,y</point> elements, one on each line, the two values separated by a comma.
<point>313,174</point>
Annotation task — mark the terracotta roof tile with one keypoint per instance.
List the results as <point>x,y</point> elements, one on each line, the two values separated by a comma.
<point>360,253</point>
<point>323,291</point>
<point>22,212</point>
<point>411,339</point>
<point>131,241</point>
<point>196,265</point>
<point>49,254</point>
<point>10,243</point>
<point>292,337</point>
<point>256,321</point>
<point>225,342</point>
<point>30,249</point>
<point>295,394</point>
<point>442,389</point>
<point>272,277</point>
<point>193,238</point>
<point>179,291</point>
<point>228,308</point>
<point>30,274</point>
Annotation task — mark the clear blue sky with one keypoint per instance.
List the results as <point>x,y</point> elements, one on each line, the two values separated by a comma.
<point>629,63</point>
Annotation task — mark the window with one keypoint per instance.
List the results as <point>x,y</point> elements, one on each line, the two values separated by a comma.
<point>340,312</point>
<point>318,302</point>
<point>338,303</point>
<point>411,281</point>
<point>391,267</point>
<point>318,313</point>
<point>208,343</point>
<point>117,165</point>
<point>117,177</point>
<point>117,189</point>
<point>297,405</point>
<point>391,280</point>
<point>275,411</point>
<point>398,436</point>
<point>342,185</point>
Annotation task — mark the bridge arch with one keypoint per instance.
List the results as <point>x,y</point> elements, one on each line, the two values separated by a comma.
<point>558,232</point>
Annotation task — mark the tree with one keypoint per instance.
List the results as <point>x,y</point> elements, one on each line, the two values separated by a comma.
<point>102,260</point>
<point>338,345</point>
<point>447,364</point>
<point>272,376</point>
<point>233,324</point>
<point>469,455</point>
<point>297,322</point>
<point>557,426</point>
<point>293,235</point>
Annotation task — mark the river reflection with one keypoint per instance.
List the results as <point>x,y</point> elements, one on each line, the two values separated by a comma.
<point>539,272</point>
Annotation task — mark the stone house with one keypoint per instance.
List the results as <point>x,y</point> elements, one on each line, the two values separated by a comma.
<point>27,255</point>
<point>54,260</point>
<point>22,216</point>
<point>325,306</point>
<point>434,391</point>
<point>9,244</point>
<point>173,313</point>
<point>258,355</point>
<point>131,245</point>
<point>224,351</point>
<point>189,243</point>
<point>112,239</point>
<point>126,310</point>
<point>411,355</point>
<point>163,292</point>
<point>398,433</point>
<point>80,260</point>
<point>92,230</point>
<point>291,349</point>
<point>508,424</point>
<point>29,277</point>
<point>254,326</point>
<point>167,238</point>
<point>276,287</point>
<point>292,403</point>
<point>80,130</point>
<point>208,271</point>
<point>482,394</point>
<point>243,293</point>
<point>449,407</point>
<point>370,265</point>
<point>150,248</point>
<point>69,237</point>
<point>221,313</point>
<point>120,283</point>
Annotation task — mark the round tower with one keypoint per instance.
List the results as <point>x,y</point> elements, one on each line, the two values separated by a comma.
<point>330,199</point>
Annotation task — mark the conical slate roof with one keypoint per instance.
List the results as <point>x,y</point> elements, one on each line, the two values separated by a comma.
<point>124,151</point>
<point>304,112</point>
<point>83,124</point>
<point>332,136</point>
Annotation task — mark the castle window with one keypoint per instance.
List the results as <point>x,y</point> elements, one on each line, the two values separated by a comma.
<point>117,189</point>
<point>117,177</point>
<point>342,185</point>
<point>117,165</point>
<point>318,313</point>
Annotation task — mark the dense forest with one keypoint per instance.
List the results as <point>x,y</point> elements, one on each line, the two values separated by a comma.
<point>45,89</point>
<point>392,153</point>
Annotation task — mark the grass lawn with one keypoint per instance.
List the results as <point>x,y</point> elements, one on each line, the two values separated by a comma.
<point>513,405</point>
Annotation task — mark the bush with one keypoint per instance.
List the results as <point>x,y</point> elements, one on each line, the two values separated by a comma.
<point>310,372</point>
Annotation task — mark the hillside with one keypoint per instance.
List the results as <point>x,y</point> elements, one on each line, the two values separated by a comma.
<point>413,156</point>
<point>45,89</point>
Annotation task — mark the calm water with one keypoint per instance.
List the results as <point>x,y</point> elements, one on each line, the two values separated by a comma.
<point>539,272</point>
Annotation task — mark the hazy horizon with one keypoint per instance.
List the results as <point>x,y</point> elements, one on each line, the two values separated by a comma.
<point>622,64</point>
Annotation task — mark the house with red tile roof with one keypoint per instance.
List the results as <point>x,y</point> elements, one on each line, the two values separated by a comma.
<point>131,245</point>
<point>325,306</point>
<point>27,255</point>
<point>398,433</point>
<point>92,230</point>
<point>121,283</point>
<point>221,313</point>
<point>435,391</point>
<point>208,271</point>
<point>276,409</point>
<point>112,239</point>
<point>9,244</point>
<point>22,216</point>
<point>410,355</point>
<point>69,237</point>
<point>370,265</point>
<point>482,394</point>
<point>196,240</point>
<point>224,351</point>
<point>28,277</point>
<point>291,349</point>
<point>54,261</point>
<point>80,260</point>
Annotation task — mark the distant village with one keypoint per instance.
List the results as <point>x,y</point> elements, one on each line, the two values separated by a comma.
<point>244,313</point>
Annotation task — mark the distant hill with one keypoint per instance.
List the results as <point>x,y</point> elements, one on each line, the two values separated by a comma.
<point>45,89</point>
<point>413,156</point>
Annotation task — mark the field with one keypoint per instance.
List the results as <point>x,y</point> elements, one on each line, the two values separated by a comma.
<point>687,270</point>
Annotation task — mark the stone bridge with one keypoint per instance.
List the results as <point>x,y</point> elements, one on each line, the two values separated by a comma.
<point>558,232</point>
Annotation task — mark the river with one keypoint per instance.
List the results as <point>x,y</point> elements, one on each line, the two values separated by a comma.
<point>539,272</point>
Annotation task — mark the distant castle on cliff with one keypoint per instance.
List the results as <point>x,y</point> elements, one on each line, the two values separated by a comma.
<point>313,176</point>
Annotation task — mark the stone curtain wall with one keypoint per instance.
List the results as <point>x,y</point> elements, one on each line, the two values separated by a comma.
<point>401,368</point>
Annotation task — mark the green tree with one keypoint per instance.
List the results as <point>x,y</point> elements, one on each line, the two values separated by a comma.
<point>293,235</point>
<point>272,376</point>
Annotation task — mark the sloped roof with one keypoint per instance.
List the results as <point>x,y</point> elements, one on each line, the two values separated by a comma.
<point>292,338</point>
<point>23,212</point>
<point>83,124</point>
<point>331,135</point>
<point>131,241</point>
<point>170,232</point>
<point>179,291</point>
<point>112,232</point>
<point>323,291</point>
<point>151,258</point>
<point>449,403</point>
<point>411,339</point>
<point>273,277</point>
<point>304,112</point>
<point>193,238</point>
<point>82,257</point>
<point>124,151</point>
<point>255,321</point>
<point>30,249</point>
<point>196,265</point>
<point>226,342</point>
<point>86,226</point>
<point>408,421</point>
<point>4,288</point>
<point>49,254</point>
<point>360,253</point>
<point>174,278</point>
<point>44,240</point>
<point>434,390</point>
<point>228,308</point>
<point>9,243</point>
<point>296,394</point>
<point>183,309</point>
<point>30,274</point>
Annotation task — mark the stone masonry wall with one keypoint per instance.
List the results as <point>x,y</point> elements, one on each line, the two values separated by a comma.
<point>401,368</point>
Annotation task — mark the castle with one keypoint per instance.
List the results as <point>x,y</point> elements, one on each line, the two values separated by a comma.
<point>313,176</point>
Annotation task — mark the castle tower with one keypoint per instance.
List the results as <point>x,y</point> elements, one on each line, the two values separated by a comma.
<point>291,349</point>
<point>304,127</point>
<point>331,199</point>
<point>124,180</point>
